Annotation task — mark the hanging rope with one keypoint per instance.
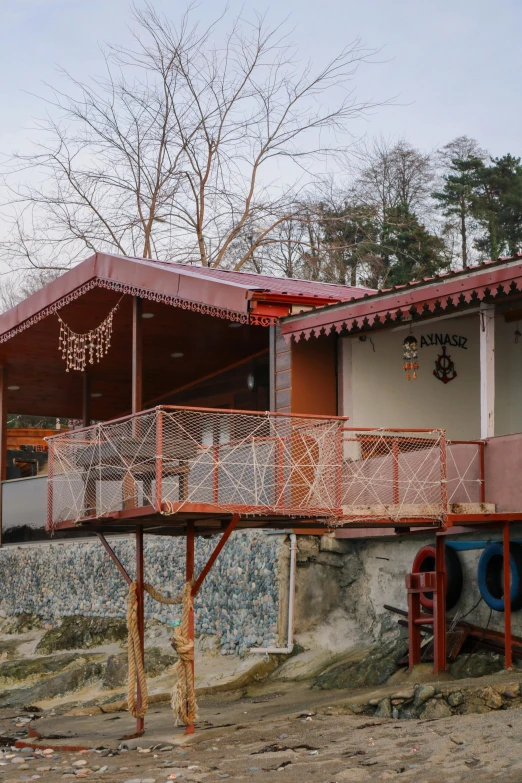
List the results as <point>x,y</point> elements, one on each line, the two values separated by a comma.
<point>135,658</point>
<point>183,699</point>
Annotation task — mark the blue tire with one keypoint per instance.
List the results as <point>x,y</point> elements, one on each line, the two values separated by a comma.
<point>491,579</point>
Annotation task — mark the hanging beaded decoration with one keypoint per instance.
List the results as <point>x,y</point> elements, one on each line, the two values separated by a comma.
<point>410,353</point>
<point>79,349</point>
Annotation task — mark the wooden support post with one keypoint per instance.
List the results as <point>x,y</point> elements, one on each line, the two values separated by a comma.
<point>508,643</point>
<point>137,355</point>
<point>439,607</point>
<point>189,576</point>
<point>3,439</point>
<point>114,557</point>
<point>86,401</point>
<point>140,722</point>
<point>487,371</point>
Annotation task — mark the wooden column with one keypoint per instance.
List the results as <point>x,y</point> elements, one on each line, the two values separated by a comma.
<point>189,576</point>
<point>86,401</point>
<point>137,355</point>
<point>140,722</point>
<point>3,436</point>
<point>487,370</point>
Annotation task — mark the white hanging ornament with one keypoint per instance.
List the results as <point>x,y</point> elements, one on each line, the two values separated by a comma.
<point>78,350</point>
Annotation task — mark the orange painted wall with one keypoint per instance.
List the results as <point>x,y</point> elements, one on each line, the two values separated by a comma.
<point>314,376</point>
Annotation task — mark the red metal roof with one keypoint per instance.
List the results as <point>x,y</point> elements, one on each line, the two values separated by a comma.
<point>286,286</point>
<point>438,294</point>
<point>238,296</point>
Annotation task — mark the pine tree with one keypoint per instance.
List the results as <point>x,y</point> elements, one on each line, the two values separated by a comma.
<point>497,206</point>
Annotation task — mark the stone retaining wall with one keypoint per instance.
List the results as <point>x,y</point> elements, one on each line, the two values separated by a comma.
<point>238,603</point>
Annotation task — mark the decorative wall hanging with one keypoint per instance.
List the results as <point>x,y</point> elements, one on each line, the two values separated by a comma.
<point>444,367</point>
<point>79,349</point>
<point>410,354</point>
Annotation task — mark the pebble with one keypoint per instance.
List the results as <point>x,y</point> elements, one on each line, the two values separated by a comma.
<point>238,602</point>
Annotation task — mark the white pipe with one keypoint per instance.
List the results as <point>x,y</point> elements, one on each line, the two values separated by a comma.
<point>291,594</point>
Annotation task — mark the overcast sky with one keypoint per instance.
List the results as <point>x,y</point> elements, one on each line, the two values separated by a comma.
<point>448,62</point>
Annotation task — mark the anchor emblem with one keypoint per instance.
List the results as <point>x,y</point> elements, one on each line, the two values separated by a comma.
<point>444,367</point>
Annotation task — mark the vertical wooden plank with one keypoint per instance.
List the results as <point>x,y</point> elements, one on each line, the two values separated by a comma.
<point>272,367</point>
<point>487,370</point>
<point>507,599</point>
<point>3,437</point>
<point>86,400</point>
<point>344,378</point>
<point>137,355</point>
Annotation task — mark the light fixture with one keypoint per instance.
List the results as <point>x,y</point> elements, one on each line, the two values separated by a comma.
<point>251,381</point>
<point>96,394</point>
<point>177,355</point>
<point>147,315</point>
<point>234,325</point>
<point>13,388</point>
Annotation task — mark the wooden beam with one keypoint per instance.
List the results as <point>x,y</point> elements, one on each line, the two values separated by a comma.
<point>3,437</point>
<point>137,355</point>
<point>213,557</point>
<point>487,370</point>
<point>114,557</point>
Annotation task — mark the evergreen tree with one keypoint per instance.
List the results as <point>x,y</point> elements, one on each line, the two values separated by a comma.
<point>497,206</point>
<point>462,158</point>
<point>409,251</point>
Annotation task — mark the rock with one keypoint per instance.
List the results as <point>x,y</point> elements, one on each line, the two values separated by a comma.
<point>115,675</point>
<point>158,662</point>
<point>36,668</point>
<point>405,695</point>
<point>422,694</point>
<point>330,559</point>
<point>77,711</point>
<point>455,699</point>
<point>477,665</point>
<point>373,669</point>
<point>384,709</point>
<point>435,709</point>
<point>79,633</point>
<point>58,685</point>
<point>491,698</point>
<point>328,543</point>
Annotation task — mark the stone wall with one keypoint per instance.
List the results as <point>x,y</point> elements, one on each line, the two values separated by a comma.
<point>238,603</point>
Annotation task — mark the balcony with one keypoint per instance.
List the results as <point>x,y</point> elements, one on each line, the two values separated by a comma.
<point>169,464</point>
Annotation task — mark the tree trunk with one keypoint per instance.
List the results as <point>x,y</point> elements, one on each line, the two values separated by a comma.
<point>464,236</point>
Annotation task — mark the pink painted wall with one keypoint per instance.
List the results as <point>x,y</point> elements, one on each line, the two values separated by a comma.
<point>503,469</point>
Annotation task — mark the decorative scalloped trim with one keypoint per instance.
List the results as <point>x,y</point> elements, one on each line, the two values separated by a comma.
<point>172,301</point>
<point>428,307</point>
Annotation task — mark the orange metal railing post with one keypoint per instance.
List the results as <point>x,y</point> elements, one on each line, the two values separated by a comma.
<point>50,488</point>
<point>482,472</point>
<point>507,599</point>
<point>443,478</point>
<point>396,471</point>
<point>215,474</point>
<point>159,459</point>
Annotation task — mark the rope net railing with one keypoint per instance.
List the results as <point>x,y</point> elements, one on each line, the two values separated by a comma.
<point>176,460</point>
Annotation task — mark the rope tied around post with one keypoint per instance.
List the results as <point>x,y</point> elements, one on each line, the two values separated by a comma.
<point>183,699</point>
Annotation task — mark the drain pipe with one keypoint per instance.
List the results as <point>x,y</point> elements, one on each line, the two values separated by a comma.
<point>291,594</point>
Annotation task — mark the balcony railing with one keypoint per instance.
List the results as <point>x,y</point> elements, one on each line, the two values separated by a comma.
<point>173,460</point>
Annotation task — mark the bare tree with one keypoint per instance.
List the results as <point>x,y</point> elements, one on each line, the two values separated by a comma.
<point>193,136</point>
<point>15,288</point>
<point>394,174</point>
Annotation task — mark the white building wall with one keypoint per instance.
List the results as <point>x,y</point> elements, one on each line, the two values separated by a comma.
<point>508,377</point>
<point>375,392</point>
